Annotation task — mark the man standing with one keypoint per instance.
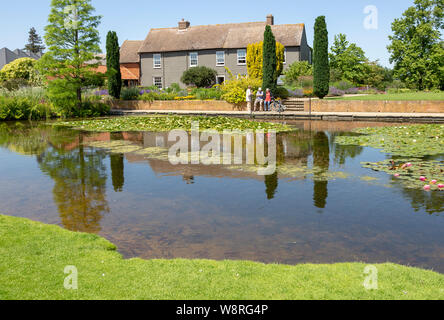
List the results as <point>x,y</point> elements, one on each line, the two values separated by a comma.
<point>249,94</point>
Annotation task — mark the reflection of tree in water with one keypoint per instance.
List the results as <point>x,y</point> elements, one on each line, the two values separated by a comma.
<point>80,183</point>
<point>117,171</point>
<point>432,202</point>
<point>321,162</point>
<point>271,184</point>
<point>342,152</point>
<point>117,165</point>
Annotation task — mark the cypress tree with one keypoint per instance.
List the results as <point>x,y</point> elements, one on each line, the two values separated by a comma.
<point>321,69</point>
<point>113,65</point>
<point>269,61</point>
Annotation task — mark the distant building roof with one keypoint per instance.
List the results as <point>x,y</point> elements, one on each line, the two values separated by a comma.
<point>223,36</point>
<point>129,51</point>
<point>7,56</point>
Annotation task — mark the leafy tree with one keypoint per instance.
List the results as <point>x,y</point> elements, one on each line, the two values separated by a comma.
<point>378,76</point>
<point>200,77</point>
<point>255,58</point>
<point>416,47</point>
<point>349,60</point>
<point>73,40</point>
<point>35,43</point>
<point>270,74</point>
<point>296,70</point>
<point>321,69</point>
<point>113,64</point>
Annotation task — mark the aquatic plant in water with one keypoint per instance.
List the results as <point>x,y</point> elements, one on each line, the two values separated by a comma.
<point>411,147</point>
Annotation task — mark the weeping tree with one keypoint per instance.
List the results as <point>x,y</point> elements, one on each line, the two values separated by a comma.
<point>269,61</point>
<point>113,64</point>
<point>321,68</point>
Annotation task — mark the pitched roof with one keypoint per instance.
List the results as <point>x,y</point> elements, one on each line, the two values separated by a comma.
<point>129,51</point>
<point>220,36</point>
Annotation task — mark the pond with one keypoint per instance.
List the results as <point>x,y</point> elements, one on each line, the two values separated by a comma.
<point>320,206</point>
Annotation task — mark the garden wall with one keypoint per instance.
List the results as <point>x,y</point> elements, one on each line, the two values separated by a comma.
<point>199,105</point>
<point>423,106</point>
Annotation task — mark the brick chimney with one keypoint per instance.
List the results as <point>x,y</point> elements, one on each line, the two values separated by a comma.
<point>270,20</point>
<point>183,25</point>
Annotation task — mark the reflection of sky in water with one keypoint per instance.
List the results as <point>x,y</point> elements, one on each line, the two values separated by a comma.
<point>153,210</point>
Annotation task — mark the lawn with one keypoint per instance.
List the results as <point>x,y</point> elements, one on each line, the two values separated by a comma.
<point>410,96</point>
<point>35,255</point>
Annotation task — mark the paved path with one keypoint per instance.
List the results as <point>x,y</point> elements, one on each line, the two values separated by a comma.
<point>295,115</point>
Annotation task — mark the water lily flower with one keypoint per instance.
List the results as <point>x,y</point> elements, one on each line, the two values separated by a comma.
<point>433,182</point>
<point>441,186</point>
<point>409,165</point>
<point>397,175</point>
<point>427,187</point>
<point>423,178</point>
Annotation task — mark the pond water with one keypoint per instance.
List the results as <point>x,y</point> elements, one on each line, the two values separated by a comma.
<point>320,206</point>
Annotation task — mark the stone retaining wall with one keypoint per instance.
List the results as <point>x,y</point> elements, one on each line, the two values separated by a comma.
<point>197,105</point>
<point>432,106</point>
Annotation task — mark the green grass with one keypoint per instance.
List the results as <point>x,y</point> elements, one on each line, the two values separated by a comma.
<point>167,123</point>
<point>410,96</point>
<point>34,255</point>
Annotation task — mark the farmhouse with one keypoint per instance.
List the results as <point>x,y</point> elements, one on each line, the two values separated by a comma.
<point>167,52</point>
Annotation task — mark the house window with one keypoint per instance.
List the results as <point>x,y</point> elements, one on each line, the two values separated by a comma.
<point>157,61</point>
<point>220,79</point>
<point>194,59</point>
<point>158,82</point>
<point>241,57</point>
<point>285,55</point>
<point>220,58</point>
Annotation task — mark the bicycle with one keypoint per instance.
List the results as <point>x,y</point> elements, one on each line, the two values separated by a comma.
<point>277,106</point>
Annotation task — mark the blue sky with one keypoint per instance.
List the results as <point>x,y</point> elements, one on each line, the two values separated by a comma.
<point>132,19</point>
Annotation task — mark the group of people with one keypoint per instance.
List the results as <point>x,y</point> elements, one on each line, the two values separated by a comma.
<point>262,102</point>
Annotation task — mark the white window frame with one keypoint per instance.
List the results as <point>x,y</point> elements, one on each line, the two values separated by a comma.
<point>157,66</point>
<point>285,55</point>
<point>161,82</point>
<point>197,59</point>
<point>245,57</point>
<point>217,61</point>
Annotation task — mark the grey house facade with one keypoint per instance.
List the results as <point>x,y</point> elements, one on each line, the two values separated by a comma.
<point>166,53</point>
<point>7,56</point>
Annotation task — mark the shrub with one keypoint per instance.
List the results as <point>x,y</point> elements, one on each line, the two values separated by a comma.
<point>130,94</point>
<point>200,77</point>
<point>298,93</point>
<point>343,85</point>
<point>234,89</point>
<point>336,92</point>
<point>282,93</point>
<point>296,70</point>
<point>23,69</point>
<point>207,93</point>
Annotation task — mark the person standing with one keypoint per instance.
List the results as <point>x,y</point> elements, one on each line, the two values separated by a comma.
<point>249,95</point>
<point>259,100</point>
<point>268,100</point>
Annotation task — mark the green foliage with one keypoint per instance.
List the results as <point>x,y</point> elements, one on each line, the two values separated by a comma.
<point>130,94</point>
<point>255,58</point>
<point>162,96</point>
<point>22,71</point>
<point>23,109</point>
<point>296,70</point>
<point>113,65</point>
<point>281,92</point>
<point>270,74</point>
<point>72,43</point>
<point>35,43</point>
<point>349,60</point>
<point>207,93</point>
<point>321,69</point>
<point>416,47</point>
<point>200,77</point>
<point>234,89</point>
<point>168,123</point>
